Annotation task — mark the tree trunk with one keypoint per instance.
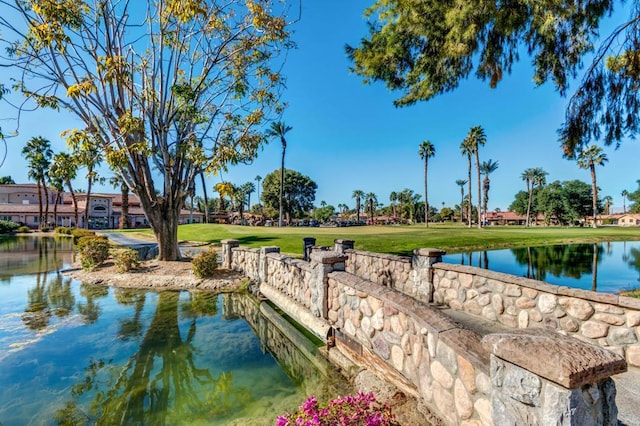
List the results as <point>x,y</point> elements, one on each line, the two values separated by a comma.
<point>206,198</point>
<point>124,223</point>
<point>280,221</point>
<point>479,190</point>
<point>485,202</point>
<point>46,202</point>
<point>426,199</point>
<point>164,222</point>
<point>39,186</point>
<point>75,203</point>
<point>88,205</point>
<point>470,206</point>
<point>530,190</point>
<point>462,204</point>
<point>595,194</point>
<point>55,209</point>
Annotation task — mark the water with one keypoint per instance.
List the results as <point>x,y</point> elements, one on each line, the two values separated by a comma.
<point>72,353</point>
<point>604,267</point>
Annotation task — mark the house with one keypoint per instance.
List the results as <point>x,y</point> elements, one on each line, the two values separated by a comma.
<point>628,219</point>
<point>505,218</point>
<point>19,203</point>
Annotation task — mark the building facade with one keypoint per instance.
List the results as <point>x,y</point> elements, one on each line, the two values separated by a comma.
<point>20,203</point>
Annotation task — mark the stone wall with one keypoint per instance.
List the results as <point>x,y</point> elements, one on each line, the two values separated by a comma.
<point>463,377</point>
<point>443,364</point>
<point>607,320</point>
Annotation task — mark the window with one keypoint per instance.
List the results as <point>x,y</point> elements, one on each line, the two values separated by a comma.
<point>99,208</point>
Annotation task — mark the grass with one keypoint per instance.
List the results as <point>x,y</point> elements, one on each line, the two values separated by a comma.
<point>401,240</point>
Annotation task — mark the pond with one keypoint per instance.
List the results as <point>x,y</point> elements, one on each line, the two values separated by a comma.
<point>604,267</point>
<point>72,353</point>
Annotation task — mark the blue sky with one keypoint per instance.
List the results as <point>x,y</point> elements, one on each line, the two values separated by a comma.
<point>347,135</point>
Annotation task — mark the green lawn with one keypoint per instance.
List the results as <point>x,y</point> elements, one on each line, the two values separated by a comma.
<point>402,240</point>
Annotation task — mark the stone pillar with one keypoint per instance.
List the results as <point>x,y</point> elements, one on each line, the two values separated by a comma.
<point>341,245</point>
<point>422,272</point>
<point>263,270</point>
<point>541,377</point>
<point>227,252</point>
<point>323,263</point>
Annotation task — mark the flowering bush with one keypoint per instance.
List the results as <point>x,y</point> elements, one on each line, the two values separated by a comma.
<point>359,410</point>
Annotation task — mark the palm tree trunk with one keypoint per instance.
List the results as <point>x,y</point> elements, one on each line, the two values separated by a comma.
<point>206,198</point>
<point>39,185</point>
<point>461,204</point>
<point>75,202</point>
<point>55,209</point>
<point>479,190</point>
<point>595,194</point>
<point>530,190</point>
<point>426,199</point>
<point>281,222</point>
<point>88,205</point>
<point>470,206</point>
<point>46,202</point>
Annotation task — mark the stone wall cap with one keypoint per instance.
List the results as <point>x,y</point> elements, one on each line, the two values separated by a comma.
<point>327,257</point>
<point>230,241</point>
<point>568,361</point>
<point>429,252</point>
<point>343,241</point>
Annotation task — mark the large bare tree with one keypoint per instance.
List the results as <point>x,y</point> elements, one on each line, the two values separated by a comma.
<point>167,88</point>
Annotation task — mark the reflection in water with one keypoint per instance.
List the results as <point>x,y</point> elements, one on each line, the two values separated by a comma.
<point>571,260</point>
<point>605,267</point>
<point>31,255</point>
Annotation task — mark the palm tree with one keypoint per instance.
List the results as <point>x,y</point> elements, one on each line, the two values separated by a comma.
<point>279,129</point>
<point>608,199</point>
<point>86,152</point>
<point>247,189</point>
<point>56,183</point>
<point>66,168</point>
<point>467,150</point>
<point>258,178</point>
<point>224,189</point>
<point>393,197</point>
<point>358,195</point>
<point>426,151</point>
<point>532,177</point>
<point>624,194</point>
<point>589,159</point>
<point>486,168</point>
<point>37,151</point>
<point>476,138</point>
<point>118,182</point>
<point>371,200</point>
<point>461,183</point>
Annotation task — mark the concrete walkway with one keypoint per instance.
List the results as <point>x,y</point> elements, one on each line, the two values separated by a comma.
<point>123,239</point>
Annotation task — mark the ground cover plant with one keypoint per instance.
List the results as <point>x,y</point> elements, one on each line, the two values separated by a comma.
<point>400,240</point>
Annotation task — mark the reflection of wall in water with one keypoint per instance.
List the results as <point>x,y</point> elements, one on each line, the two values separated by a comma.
<point>31,255</point>
<point>295,354</point>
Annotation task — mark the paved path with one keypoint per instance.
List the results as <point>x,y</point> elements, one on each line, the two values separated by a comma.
<point>124,239</point>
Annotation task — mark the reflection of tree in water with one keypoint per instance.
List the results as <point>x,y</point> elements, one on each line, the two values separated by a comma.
<point>54,297</point>
<point>90,310</point>
<point>633,260</point>
<point>570,260</point>
<point>160,383</point>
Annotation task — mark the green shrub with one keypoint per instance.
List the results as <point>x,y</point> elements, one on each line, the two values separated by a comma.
<point>63,230</point>
<point>93,251</point>
<point>44,229</point>
<point>204,264</point>
<point>7,226</point>
<point>125,260</point>
<point>23,230</point>
<point>78,233</point>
